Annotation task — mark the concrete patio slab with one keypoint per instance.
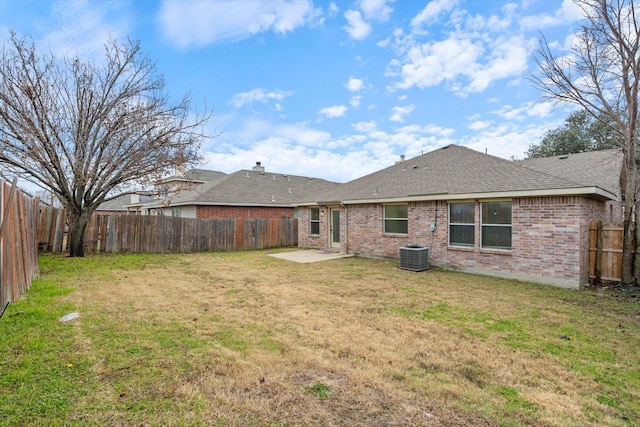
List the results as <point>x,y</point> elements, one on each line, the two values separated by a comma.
<point>307,256</point>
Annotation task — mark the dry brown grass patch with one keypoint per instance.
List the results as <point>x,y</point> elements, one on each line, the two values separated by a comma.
<point>242,339</point>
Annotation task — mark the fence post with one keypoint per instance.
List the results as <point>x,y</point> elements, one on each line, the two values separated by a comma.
<point>14,186</point>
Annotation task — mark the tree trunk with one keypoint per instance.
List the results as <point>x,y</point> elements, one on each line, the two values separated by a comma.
<point>636,247</point>
<point>628,189</point>
<point>628,260</point>
<point>77,230</point>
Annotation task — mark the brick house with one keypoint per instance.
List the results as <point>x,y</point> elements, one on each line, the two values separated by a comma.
<point>127,203</point>
<point>477,213</point>
<point>243,194</point>
<point>185,180</point>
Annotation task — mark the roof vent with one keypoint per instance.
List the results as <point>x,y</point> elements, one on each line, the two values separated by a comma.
<point>563,157</point>
<point>258,167</point>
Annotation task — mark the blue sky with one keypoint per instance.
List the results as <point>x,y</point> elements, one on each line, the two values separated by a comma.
<point>330,89</point>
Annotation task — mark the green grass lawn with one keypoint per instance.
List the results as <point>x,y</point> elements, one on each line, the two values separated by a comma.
<point>242,338</point>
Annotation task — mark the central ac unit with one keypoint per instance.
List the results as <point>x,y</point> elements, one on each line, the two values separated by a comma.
<point>414,258</point>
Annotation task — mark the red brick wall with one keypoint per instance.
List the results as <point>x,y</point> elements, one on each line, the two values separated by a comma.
<point>613,212</point>
<point>203,212</point>
<point>549,238</point>
<point>305,239</point>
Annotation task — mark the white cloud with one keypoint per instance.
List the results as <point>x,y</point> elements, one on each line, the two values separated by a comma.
<point>467,61</point>
<point>528,109</point>
<point>432,11</point>
<point>334,111</point>
<point>293,149</point>
<point>400,112</point>
<point>431,63</point>
<point>541,109</point>
<point>479,124</point>
<point>568,12</point>
<point>508,58</point>
<point>281,156</point>
<point>82,27</point>
<point>383,43</point>
<point>437,130</point>
<point>256,95</point>
<point>333,9</point>
<point>365,126</point>
<point>506,140</point>
<point>358,21</point>
<point>375,10</point>
<point>248,131</point>
<point>357,28</point>
<point>201,22</point>
<point>355,101</point>
<point>354,85</point>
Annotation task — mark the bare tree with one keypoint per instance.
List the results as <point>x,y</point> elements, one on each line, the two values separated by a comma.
<point>601,74</point>
<point>85,129</point>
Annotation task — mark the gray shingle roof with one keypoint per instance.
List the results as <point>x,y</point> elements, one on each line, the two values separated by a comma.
<point>601,168</point>
<point>196,175</point>
<point>251,188</point>
<point>121,202</point>
<point>458,171</point>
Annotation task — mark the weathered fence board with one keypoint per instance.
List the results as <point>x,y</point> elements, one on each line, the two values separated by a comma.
<point>18,242</point>
<point>605,251</point>
<point>165,234</point>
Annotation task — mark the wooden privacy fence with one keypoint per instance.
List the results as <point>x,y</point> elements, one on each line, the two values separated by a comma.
<point>164,234</point>
<point>51,229</point>
<point>605,251</point>
<point>18,242</point>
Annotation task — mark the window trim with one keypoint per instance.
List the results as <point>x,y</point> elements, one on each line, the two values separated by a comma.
<point>314,221</point>
<point>472,224</point>
<point>483,225</point>
<point>385,219</point>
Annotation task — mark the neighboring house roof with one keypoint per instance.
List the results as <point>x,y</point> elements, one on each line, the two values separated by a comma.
<point>455,172</point>
<point>192,176</point>
<point>249,188</point>
<point>127,200</point>
<point>195,175</point>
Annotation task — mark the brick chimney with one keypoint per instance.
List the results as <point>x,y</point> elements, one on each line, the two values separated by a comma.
<point>258,167</point>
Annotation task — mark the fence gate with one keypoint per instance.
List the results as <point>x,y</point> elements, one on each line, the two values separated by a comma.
<point>605,251</point>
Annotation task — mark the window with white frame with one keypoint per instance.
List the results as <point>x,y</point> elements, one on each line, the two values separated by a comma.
<point>462,224</point>
<point>176,212</point>
<point>314,224</point>
<point>495,225</point>
<point>396,219</point>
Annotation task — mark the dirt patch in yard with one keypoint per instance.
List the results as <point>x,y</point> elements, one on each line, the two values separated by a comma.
<point>247,339</point>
